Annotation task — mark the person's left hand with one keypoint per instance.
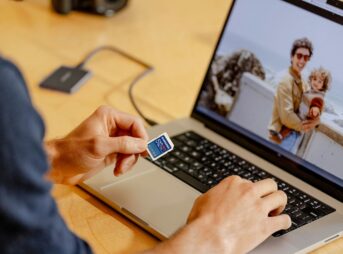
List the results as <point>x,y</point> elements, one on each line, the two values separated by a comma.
<point>106,137</point>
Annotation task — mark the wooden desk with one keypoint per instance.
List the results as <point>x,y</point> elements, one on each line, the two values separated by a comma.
<point>177,37</point>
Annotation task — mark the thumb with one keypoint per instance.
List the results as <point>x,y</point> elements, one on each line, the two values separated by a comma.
<point>125,145</point>
<point>279,222</point>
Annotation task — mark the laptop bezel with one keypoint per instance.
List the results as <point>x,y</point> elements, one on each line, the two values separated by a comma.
<point>275,157</point>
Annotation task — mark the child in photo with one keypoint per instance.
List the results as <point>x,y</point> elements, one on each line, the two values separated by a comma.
<point>312,103</point>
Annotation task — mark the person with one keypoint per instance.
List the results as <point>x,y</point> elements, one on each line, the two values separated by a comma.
<point>285,125</point>
<point>233,217</point>
<point>312,103</point>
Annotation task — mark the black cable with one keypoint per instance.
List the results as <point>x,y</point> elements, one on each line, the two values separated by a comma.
<point>132,84</point>
<point>113,49</point>
<point>148,69</point>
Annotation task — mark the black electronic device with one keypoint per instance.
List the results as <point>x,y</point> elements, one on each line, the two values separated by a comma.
<point>101,7</point>
<point>66,79</point>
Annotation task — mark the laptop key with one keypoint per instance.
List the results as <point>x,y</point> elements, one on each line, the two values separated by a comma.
<point>170,168</point>
<point>172,159</point>
<point>182,165</point>
<point>201,177</point>
<point>206,171</point>
<point>194,136</point>
<point>191,181</point>
<point>191,171</point>
<point>185,149</point>
<point>176,142</point>
<point>192,143</point>
<point>182,138</point>
<point>196,165</point>
<point>196,154</point>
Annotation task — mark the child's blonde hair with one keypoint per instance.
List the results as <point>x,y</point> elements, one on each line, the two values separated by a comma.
<point>324,74</point>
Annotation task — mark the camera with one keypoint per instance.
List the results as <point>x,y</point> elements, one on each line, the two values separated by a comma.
<point>101,7</point>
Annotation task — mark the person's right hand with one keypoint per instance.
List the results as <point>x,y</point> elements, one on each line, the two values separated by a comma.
<point>314,112</point>
<point>106,137</point>
<point>233,217</point>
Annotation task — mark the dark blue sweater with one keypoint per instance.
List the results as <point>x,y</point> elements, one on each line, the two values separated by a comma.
<point>29,219</point>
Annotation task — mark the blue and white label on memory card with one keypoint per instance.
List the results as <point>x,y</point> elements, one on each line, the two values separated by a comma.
<point>160,146</point>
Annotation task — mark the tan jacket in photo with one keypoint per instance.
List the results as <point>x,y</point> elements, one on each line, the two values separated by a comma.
<point>287,100</point>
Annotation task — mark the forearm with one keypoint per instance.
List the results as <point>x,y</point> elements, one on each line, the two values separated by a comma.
<point>61,171</point>
<point>291,120</point>
<point>51,150</point>
<point>193,239</point>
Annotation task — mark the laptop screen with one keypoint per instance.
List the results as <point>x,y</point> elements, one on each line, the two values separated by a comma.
<point>276,78</point>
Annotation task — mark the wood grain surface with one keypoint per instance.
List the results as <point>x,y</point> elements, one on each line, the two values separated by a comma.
<point>176,37</point>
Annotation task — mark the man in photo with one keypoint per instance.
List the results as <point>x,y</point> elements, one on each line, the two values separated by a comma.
<point>286,126</point>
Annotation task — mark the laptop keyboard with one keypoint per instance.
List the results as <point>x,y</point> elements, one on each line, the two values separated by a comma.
<point>202,164</point>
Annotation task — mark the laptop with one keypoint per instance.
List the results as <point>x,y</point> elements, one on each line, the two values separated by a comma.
<point>228,131</point>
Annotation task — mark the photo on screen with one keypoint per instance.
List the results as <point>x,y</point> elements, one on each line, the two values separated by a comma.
<point>277,74</point>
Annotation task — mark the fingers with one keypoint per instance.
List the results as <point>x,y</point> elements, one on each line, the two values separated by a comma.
<point>145,154</point>
<point>110,159</point>
<point>275,203</point>
<point>309,127</point>
<point>119,120</point>
<point>127,133</point>
<point>279,222</point>
<point>311,123</point>
<point>226,183</point>
<point>125,163</point>
<point>265,187</point>
<point>308,123</point>
<point>131,123</point>
<point>123,145</point>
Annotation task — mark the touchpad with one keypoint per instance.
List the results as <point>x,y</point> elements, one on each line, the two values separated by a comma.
<point>154,196</point>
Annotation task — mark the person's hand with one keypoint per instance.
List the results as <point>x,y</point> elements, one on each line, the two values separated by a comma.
<point>308,125</point>
<point>314,112</point>
<point>233,217</point>
<point>106,137</point>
